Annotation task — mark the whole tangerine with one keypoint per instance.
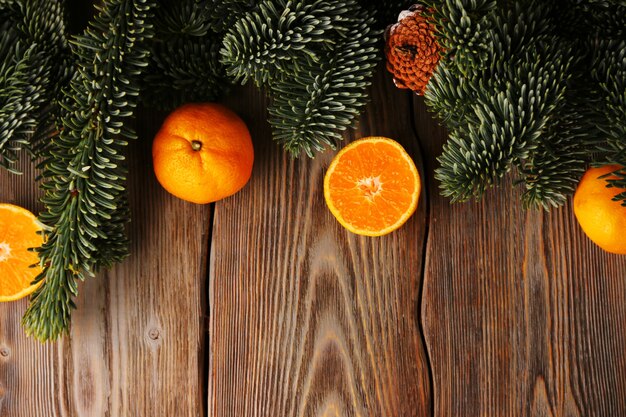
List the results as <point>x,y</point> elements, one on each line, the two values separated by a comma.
<point>203,153</point>
<point>602,219</point>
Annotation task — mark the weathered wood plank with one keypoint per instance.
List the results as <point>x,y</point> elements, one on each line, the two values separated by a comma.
<point>306,318</point>
<point>136,347</point>
<point>523,316</point>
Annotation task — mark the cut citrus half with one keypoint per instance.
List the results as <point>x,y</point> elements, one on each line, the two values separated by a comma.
<point>372,186</point>
<point>18,233</point>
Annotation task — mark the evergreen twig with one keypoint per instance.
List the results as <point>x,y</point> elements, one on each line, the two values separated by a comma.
<point>609,72</point>
<point>224,14</point>
<point>514,90</point>
<point>34,64</point>
<point>185,62</point>
<point>315,57</point>
<point>83,172</point>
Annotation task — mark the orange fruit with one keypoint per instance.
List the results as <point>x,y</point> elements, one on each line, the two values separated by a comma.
<point>372,186</point>
<point>18,233</point>
<point>602,219</point>
<point>203,153</point>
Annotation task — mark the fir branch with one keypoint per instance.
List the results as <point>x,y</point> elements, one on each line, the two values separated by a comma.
<point>525,109</point>
<point>533,104</point>
<point>504,120</point>
<point>264,44</point>
<point>311,110</point>
<point>224,14</point>
<point>553,169</point>
<point>184,70</point>
<point>609,72</point>
<point>450,95</point>
<point>463,29</point>
<point>185,65</point>
<point>386,12</point>
<point>21,85</point>
<point>33,67</point>
<point>316,58</point>
<point>180,18</point>
<point>606,18</point>
<point>83,174</point>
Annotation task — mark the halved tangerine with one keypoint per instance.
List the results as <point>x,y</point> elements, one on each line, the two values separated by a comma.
<point>372,186</point>
<point>18,232</point>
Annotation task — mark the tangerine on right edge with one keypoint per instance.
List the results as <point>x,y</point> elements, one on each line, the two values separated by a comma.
<point>602,219</point>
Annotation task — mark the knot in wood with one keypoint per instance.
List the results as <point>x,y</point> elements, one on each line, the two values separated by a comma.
<point>154,334</point>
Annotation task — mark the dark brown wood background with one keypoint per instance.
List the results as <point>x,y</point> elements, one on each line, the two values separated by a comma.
<point>262,305</point>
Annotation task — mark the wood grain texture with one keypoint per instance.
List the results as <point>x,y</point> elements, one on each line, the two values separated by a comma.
<point>136,346</point>
<point>523,315</point>
<point>306,318</point>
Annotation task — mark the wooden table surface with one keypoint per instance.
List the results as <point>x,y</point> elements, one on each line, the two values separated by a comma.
<point>263,305</point>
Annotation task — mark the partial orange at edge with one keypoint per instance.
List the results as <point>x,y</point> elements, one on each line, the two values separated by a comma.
<point>602,219</point>
<point>18,232</point>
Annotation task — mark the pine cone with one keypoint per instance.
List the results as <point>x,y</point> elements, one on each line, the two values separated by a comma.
<point>412,50</point>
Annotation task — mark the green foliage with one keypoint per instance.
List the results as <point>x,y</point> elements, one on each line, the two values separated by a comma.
<point>263,45</point>
<point>184,65</point>
<point>518,93</point>
<point>552,170</point>
<point>386,11</point>
<point>83,172</point>
<point>33,66</point>
<point>464,32</point>
<point>316,59</point>
<point>609,72</point>
<point>606,18</point>
<point>224,14</point>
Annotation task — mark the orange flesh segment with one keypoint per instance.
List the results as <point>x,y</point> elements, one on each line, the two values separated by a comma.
<point>372,186</point>
<point>18,233</point>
